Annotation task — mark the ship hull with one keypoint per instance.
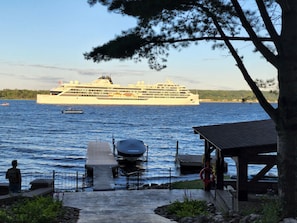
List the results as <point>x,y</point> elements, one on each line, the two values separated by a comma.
<point>76,100</point>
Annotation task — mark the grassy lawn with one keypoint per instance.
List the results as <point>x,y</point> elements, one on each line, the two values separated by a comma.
<point>192,184</point>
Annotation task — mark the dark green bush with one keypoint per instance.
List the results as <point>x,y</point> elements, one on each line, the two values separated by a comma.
<point>188,208</point>
<point>271,211</point>
<point>37,210</point>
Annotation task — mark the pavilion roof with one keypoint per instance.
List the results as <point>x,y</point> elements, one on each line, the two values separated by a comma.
<point>231,138</point>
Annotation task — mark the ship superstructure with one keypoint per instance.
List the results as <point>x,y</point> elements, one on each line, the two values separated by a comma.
<point>103,92</point>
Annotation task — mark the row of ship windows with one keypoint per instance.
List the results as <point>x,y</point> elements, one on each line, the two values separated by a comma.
<point>76,91</point>
<point>142,96</point>
<point>171,88</point>
<point>131,95</point>
<point>130,90</point>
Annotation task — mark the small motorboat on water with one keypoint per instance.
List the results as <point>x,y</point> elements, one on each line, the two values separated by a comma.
<point>131,149</point>
<point>5,104</point>
<point>72,111</point>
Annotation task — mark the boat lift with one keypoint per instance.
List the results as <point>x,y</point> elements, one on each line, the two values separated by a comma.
<point>121,158</point>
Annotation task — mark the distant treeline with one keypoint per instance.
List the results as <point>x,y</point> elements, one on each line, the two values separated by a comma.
<point>204,95</point>
<point>235,96</point>
<point>20,94</point>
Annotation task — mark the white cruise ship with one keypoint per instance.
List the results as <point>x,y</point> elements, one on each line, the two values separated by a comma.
<point>103,92</point>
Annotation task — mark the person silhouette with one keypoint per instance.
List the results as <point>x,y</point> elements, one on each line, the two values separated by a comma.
<point>14,176</point>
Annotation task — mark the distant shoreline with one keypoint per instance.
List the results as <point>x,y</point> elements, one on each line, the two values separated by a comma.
<point>231,101</point>
<point>206,96</point>
<point>200,100</point>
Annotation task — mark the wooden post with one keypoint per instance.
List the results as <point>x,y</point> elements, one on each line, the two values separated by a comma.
<point>207,164</point>
<point>113,145</point>
<point>170,184</point>
<point>219,170</point>
<point>176,152</point>
<point>76,181</point>
<point>206,152</point>
<point>54,177</point>
<point>242,178</point>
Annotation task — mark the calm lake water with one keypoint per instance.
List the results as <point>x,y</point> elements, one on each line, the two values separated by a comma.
<point>43,139</point>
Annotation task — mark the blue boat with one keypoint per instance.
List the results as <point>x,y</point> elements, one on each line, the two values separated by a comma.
<point>130,149</point>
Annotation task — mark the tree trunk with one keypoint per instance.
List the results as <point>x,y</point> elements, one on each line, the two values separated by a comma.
<point>287,166</point>
<point>286,121</point>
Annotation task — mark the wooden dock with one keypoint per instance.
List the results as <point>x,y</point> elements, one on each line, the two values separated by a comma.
<point>190,163</point>
<point>101,164</point>
<point>193,163</point>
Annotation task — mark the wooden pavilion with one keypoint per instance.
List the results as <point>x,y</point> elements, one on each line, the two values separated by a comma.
<point>246,143</point>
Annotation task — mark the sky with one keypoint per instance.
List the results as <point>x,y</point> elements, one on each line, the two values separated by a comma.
<point>42,43</point>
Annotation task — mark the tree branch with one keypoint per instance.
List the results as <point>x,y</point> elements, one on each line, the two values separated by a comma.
<point>259,45</point>
<point>267,21</point>
<point>262,100</point>
<point>157,40</point>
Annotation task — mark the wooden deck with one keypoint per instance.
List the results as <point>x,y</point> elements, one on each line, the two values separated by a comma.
<point>224,200</point>
<point>39,192</point>
<point>40,187</point>
<point>4,188</point>
<point>100,164</point>
<point>193,163</point>
<point>189,163</point>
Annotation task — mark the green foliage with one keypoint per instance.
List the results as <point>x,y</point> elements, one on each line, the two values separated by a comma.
<point>233,96</point>
<point>268,208</point>
<point>163,25</point>
<point>20,94</point>
<point>271,211</point>
<point>188,208</point>
<point>37,210</point>
<point>120,48</point>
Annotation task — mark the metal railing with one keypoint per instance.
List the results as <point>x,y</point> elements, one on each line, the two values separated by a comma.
<point>63,181</point>
<point>77,181</point>
<point>139,179</point>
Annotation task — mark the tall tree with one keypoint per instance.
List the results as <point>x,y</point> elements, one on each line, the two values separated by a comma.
<point>270,25</point>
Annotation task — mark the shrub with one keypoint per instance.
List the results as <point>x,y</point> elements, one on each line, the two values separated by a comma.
<point>188,208</point>
<point>37,210</point>
<point>271,211</point>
